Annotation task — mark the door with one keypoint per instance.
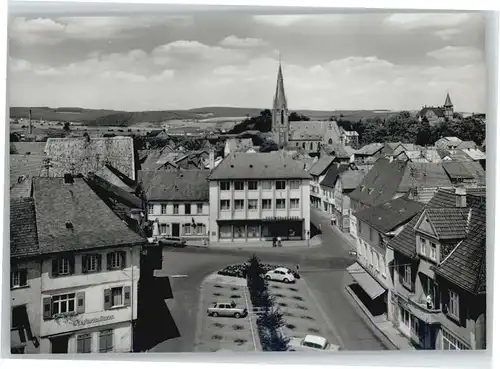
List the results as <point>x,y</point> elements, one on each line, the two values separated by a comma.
<point>175,230</point>
<point>60,344</point>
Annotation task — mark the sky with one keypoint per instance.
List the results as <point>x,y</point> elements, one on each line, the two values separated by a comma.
<point>399,61</point>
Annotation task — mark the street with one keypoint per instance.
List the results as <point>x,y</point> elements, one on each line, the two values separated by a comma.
<point>323,268</point>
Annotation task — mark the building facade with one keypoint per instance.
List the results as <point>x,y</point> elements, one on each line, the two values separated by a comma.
<point>255,197</point>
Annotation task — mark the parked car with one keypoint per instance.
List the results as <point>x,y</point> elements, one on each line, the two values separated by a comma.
<point>171,241</point>
<point>312,343</point>
<point>280,274</point>
<point>228,309</point>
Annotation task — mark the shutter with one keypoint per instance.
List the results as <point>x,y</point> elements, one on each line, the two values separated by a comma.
<point>107,299</point>
<point>88,344</point>
<point>54,268</point>
<point>102,342</point>
<point>99,262</point>
<point>84,263</point>
<point>71,261</point>
<point>126,293</point>
<point>24,277</point>
<point>80,340</point>
<point>108,261</point>
<point>80,302</point>
<point>123,255</point>
<point>47,308</point>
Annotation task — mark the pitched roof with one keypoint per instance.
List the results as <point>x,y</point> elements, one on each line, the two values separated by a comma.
<point>370,149</point>
<point>333,173</point>
<point>477,171</point>
<point>381,183</point>
<point>449,223</point>
<point>321,165</point>
<point>313,130</point>
<point>23,234</point>
<point>173,185</point>
<point>352,178</point>
<point>467,145</point>
<point>475,154</point>
<point>436,110</point>
<point>424,175</point>
<point>30,148</point>
<point>22,169</point>
<point>447,142</point>
<point>465,265</point>
<point>84,155</point>
<point>447,102</point>
<point>71,217</point>
<point>107,174</point>
<point>456,170</point>
<point>274,165</point>
<point>390,215</point>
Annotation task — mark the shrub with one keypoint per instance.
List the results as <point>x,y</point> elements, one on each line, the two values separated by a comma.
<point>240,341</point>
<point>219,325</point>
<point>235,296</point>
<point>217,337</point>
<point>238,327</point>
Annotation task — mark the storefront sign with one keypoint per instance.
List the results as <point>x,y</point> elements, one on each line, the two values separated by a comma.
<point>85,322</point>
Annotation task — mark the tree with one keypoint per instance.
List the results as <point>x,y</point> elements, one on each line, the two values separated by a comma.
<point>262,123</point>
<point>268,146</point>
<point>295,117</point>
<point>66,126</point>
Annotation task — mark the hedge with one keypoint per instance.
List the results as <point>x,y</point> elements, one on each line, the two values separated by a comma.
<point>240,270</point>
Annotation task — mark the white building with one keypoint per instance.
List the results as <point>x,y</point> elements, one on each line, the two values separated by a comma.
<point>177,203</point>
<point>89,270</point>
<point>255,196</point>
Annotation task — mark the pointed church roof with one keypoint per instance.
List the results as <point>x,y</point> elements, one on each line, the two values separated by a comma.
<point>279,97</point>
<point>448,100</point>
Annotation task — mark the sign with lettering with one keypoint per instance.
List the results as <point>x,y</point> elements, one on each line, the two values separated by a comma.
<point>85,322</point>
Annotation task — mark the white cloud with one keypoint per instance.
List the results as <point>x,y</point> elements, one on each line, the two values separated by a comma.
<point>428,20</point>
<point>457,55</point>
<point>307,19</point>
<point>448,33</point>
<point>236,42</point>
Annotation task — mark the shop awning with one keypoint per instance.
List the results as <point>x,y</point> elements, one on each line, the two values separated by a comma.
<point>372,288</point>
<point>15,339</point>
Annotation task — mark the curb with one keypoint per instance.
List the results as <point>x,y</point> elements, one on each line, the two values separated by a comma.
<point>386,341</point>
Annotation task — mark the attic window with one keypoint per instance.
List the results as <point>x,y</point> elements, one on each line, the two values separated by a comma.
<point>69,225</point>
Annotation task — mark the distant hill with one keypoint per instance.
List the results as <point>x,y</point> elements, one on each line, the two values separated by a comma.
<point>95,117</point>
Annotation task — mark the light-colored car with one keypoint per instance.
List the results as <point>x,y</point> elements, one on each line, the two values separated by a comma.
<point>228,309</point>
<point>312,343</point>
<point>280,274</point>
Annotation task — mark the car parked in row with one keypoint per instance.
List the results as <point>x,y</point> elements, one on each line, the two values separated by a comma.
<point>312,343</point>
<point>280,274</point>
<point>227,309</point>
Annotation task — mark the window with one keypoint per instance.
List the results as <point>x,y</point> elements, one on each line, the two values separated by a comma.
<point>280,185</point>
<point>187,208</point>
<point>370,256</point>
<point>266,204</point>
<point>414,325</point>
<point>239,204</point>
<point>116,260</point>
<point>176,208</point>
<point>163,228</point>
<point>253,231</point>
<point>372,234</point>
<point>266,185</point>
<point>225,231</point>
<point>423,246</point>
<point>151,209</point>
<point>294,185</point>
<point>294,203</point>
<point>405,317</point>
<point>63,303</point>
<point>407,280</point>
<point>117,296</point>
<point>63,266</point>
<point>18,278</point>
<point>84,343</point>
<point>280,203</point>
<point>91,263</point>
<point>382,265</point>
<point>200,228</point>
<point>239,231</point>
<point>187,229</point>
<point>164,209</point>
<point>106,341</point>
<point>453,308</point>
<point>432,250</point>
<point>252,205</point>
<point>449,342</point>
<point>253,185</point>
<point>359,226</point>
<point>225,205</point>
<point>199,208</point>
<point>239,185</point>
<point>225,186</point>
<point>375,261</point>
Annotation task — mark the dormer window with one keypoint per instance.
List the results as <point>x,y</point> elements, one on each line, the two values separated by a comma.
<point>427,249</point>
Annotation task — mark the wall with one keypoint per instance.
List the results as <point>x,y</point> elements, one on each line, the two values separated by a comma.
<point>93,284</point>
<point>30,295</point>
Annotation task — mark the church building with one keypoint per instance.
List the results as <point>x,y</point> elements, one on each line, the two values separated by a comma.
<point>308,135</point>
<point>438,114</point>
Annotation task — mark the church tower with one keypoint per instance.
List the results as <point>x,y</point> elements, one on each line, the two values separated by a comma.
<point>448,107</point>
<point>280,124</point>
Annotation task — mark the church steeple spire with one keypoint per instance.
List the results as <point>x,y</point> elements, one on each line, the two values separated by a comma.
<point>280,124</point>
<point>279,96</point>
<point>447,102</point>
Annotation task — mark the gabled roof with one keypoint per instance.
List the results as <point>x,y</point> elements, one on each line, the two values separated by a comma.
<point>107,174</point>
<point>332,175</point>
<point>390,215</point>
<point>23,233</point>
<point>424,175</point>
<point>274,165</point>
<point>322,165</point>
<point>22,169</point>
<point>175,185</point>
<point>71,217</point>
<point>436,110</point>
<point>475,154</point>
<point>370,149</point>
<point>456,170</point>
<point>467,145</point>
<point>89,154</point>
<point>449,223</point>
<point>351,179</point>
<point>313,130</point>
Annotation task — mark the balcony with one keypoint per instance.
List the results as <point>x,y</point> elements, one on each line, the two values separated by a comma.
<point>418,307</point>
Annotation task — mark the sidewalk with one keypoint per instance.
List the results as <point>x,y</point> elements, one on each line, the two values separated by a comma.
<point>382,327</point>
<point>313,242</point>
<point>327,217</point>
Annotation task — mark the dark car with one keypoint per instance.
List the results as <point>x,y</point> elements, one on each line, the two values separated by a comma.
<point>171,241</point>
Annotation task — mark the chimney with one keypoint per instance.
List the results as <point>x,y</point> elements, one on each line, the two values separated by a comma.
<point>68,178</point>
<point>211,159</point>
<point>461,197</point>
<point>30,128</point>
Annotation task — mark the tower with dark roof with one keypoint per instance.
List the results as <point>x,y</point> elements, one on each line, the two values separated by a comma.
<point>448,107</point>
<point>280,123</point>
